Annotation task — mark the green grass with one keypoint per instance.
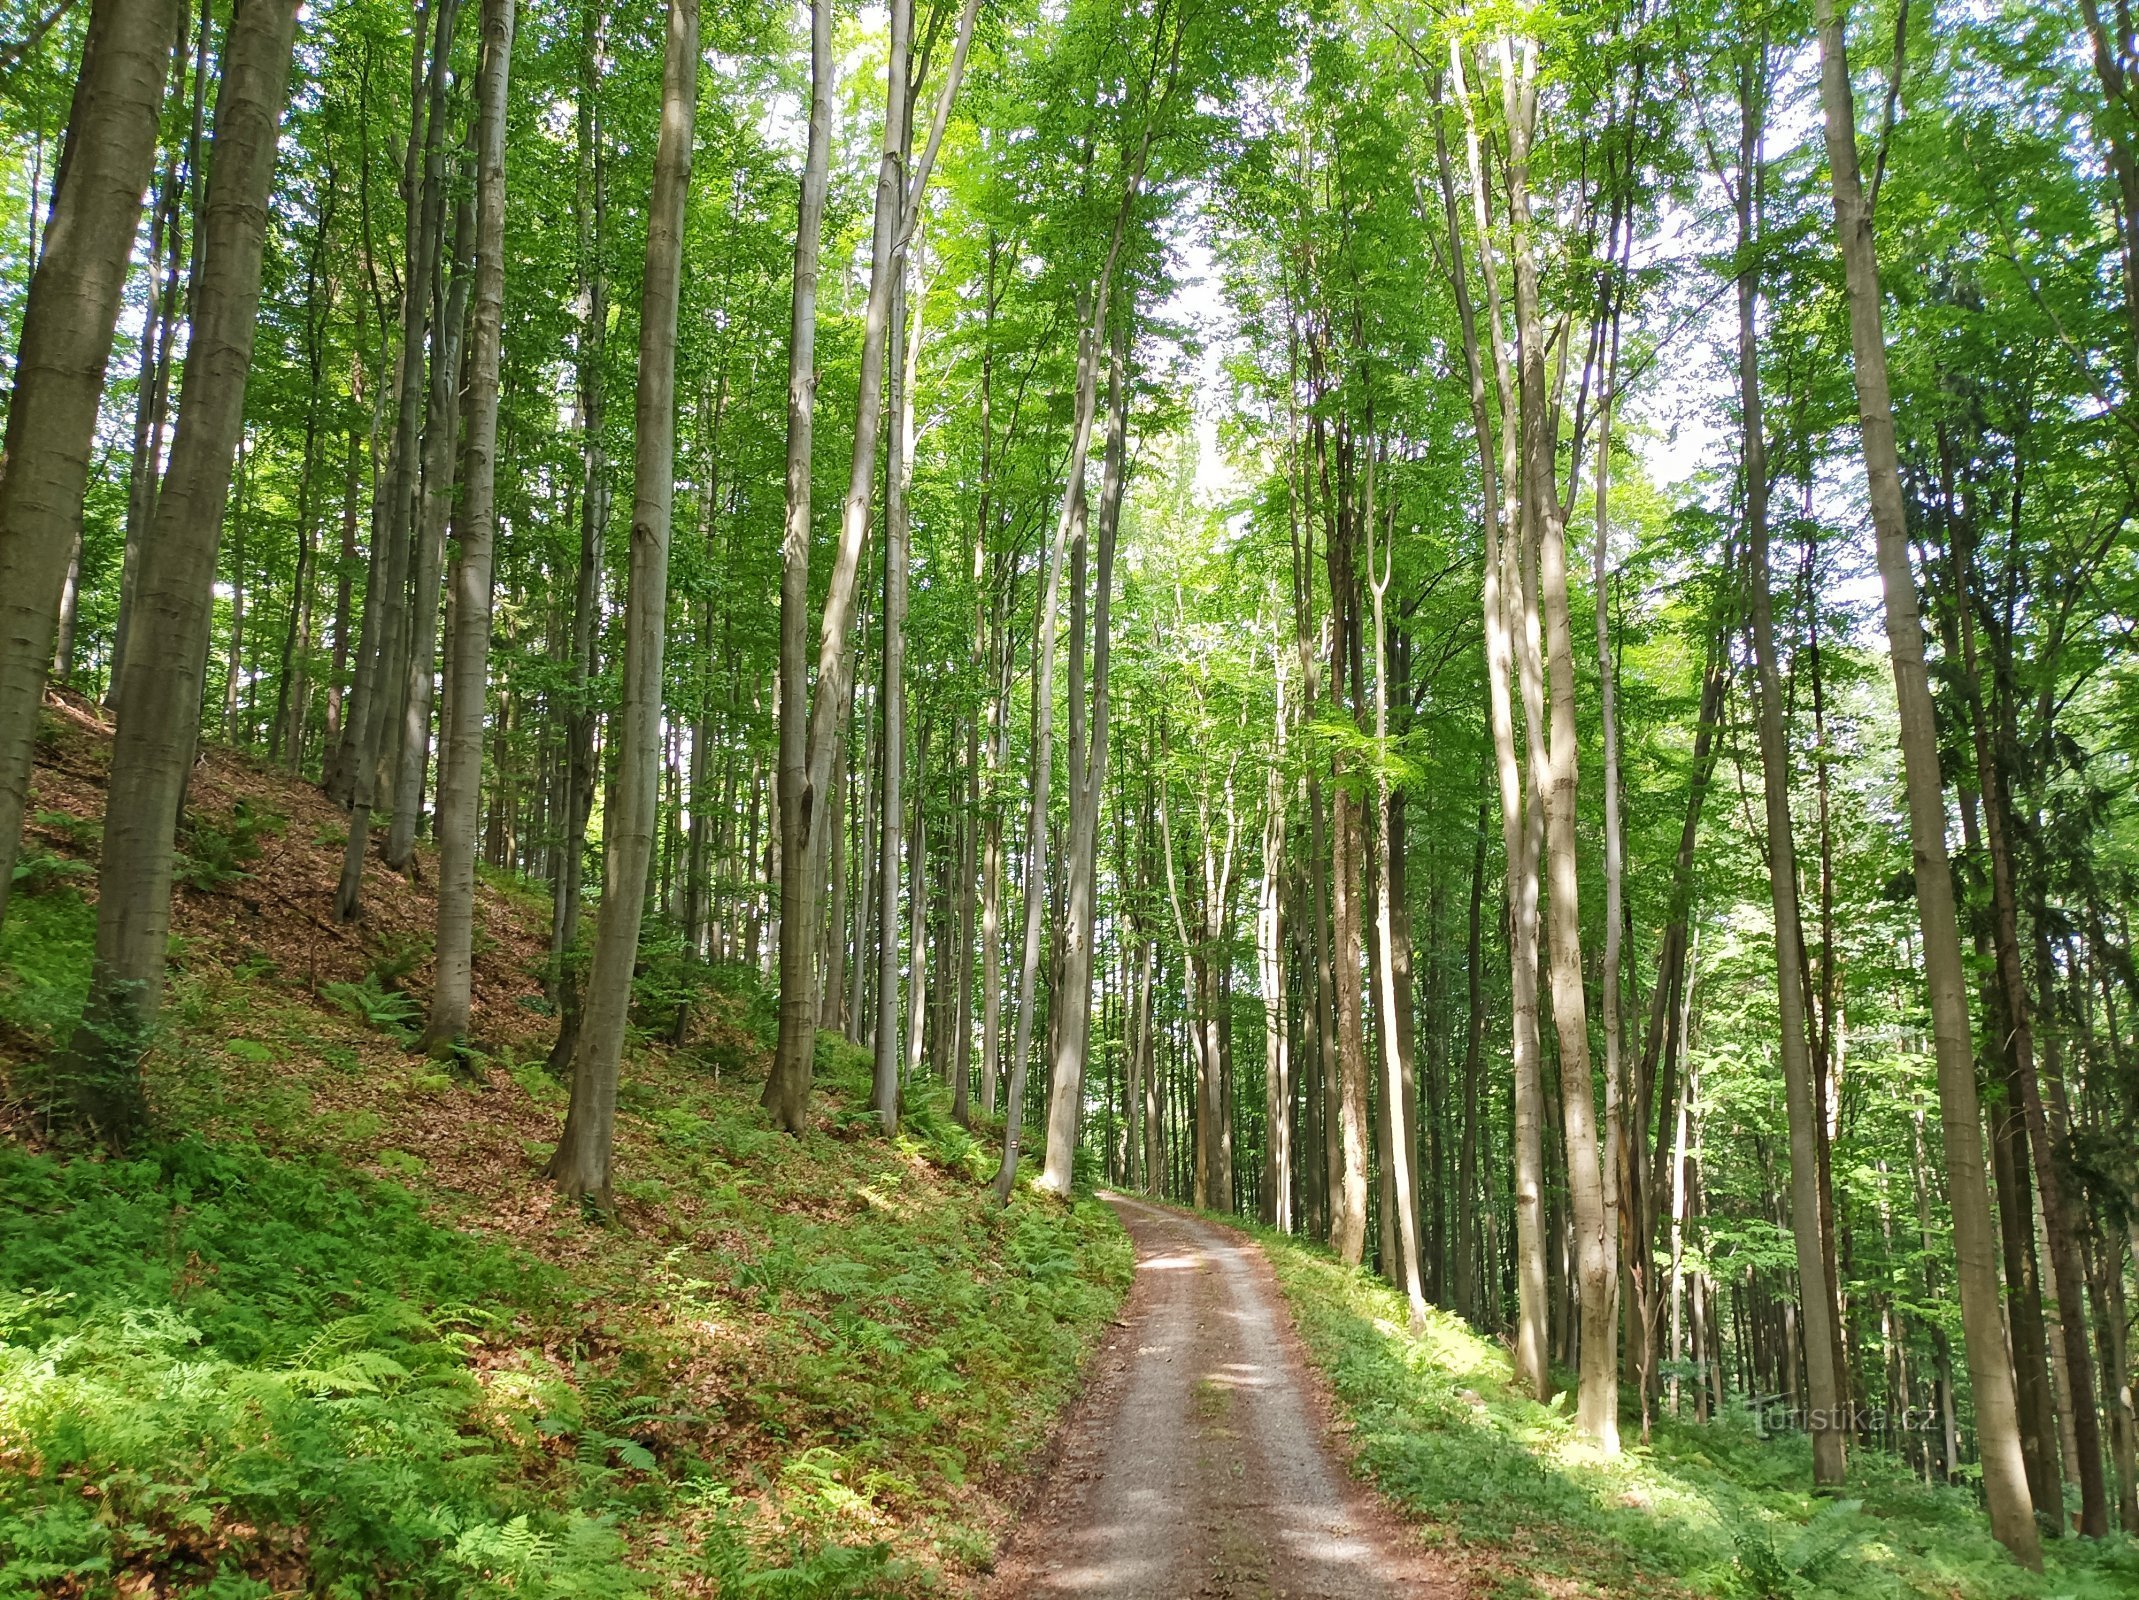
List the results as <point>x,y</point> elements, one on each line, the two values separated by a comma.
<point>1705,1509</point>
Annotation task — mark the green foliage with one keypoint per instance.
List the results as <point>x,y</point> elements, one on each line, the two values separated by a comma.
<point>235,1366</point>
<point>388,1010</point>
<point>215,854</point>
<point>46,946</point>
<point>1708,1509</point>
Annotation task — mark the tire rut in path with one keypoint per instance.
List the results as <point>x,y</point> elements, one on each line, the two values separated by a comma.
<point>1196,1466</point>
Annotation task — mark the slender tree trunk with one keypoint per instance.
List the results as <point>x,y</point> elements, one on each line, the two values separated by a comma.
<point>1043,668</point>
<point>162,695</point>
<point>1396,1094</point>
<point>581,771</point>
<point>1087,788</point>
<point>898,201</point>
<point>460,745</point>
<point>1816,1293</point>
<point>787,1087</point>
<point>884,1095</point>
<point>1521,819</point>
<point>581,1165</point>
<point>181,185</point>
<point>1591,1262</point>
<point>436,501</point>
<point>382,655</point>
<point>1270,935</point>
<point>1990,1371</point>
<point>67,323</point>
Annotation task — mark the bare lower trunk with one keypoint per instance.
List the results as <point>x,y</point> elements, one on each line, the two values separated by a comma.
<point>460,745</point>
<point>581,1165</point>
<point>1990,1371</point>
<point>67,324</point>
<point>162,695</point>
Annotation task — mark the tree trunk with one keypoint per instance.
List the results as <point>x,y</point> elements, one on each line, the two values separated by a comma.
<point>460,745</point>
<point>1990,1372</point>
<point>1396,1092</point>
<point>436,501</point>
<point>1087,788</point>
<point>1521,818</point>
<point>1816,1292</point>
<point>787,1086</point>
<point>581,773</point>
<point>67,323</point>
<point>884,1093</point>
<point>153,749</point>
<point>581,1165</point>
<point>382,655</point>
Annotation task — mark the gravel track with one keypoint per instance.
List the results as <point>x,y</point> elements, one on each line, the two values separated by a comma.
<point>1198,1462</point>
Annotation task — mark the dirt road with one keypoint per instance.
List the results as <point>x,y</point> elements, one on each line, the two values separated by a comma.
<point>1197,1463</point>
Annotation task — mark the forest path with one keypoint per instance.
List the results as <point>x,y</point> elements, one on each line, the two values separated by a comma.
<point>1197,1463</point>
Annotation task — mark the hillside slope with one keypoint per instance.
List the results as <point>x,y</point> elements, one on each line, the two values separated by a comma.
<point>332,1332</point>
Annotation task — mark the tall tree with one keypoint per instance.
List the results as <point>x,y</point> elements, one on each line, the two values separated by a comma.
<point>460,752</point>
<point>1989,1367</point>
<point>153,749</point>
<point>67,323</point>
<point>581,1165</point>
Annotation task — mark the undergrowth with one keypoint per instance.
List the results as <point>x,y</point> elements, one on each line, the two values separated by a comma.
<point>331,1333</point>
<point>1708,1509</point>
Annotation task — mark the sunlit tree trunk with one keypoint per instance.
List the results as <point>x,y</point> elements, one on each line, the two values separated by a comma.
<point>787,1086</point>
<point>1990,1371</point>
<point>1396,1094</point>
<point>66,337</point>
<point>1521,820</point>
<point>1087,786</point>
<point>591,206</point>
<point>460,745</point>
<point>434,503</point>
<point>581,1165</point>
<point>162,696</point>
<point>1816,1292</point>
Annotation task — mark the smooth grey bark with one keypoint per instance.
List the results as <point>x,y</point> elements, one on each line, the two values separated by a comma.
<point>1270,936</point>
<point>1521,818</point>
<point>460,744</point>
<point>1990,1371</point>
<point>1597,1403</point>
<point>898,554</point>
<point>1087,788</point>
<point>787,1085</point>
<point>67,323</point>
<point>382,651</point>
<point>1043,732</point>
<point>581,1165</point>
<point>153,748</point>
<point>1396,1098</point>
<point>181,184</point>
<point>1816,1299</point>
<point>442,413</point>
<point>898,210</point>
<point>592,208</point>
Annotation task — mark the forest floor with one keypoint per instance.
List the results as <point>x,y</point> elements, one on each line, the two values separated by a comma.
<point>1198,1462</point>
<point>331,1332</point>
